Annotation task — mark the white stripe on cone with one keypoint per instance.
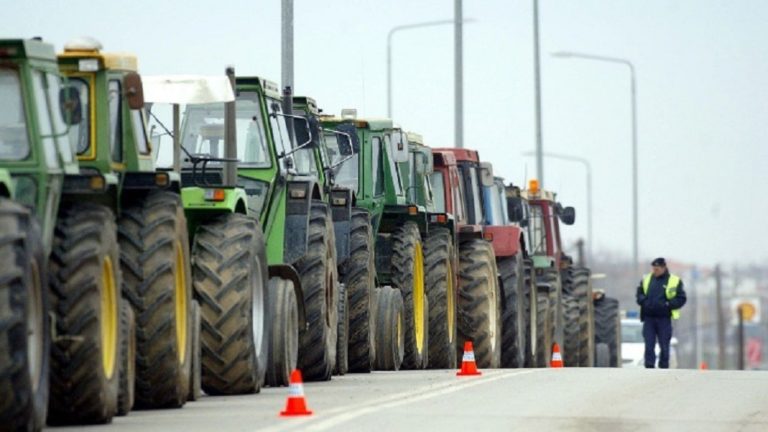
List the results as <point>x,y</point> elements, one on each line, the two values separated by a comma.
<point>556,356</point>
<point>295,390</point>
<point>468,356</point>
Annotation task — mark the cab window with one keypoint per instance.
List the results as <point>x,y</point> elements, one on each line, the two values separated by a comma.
<point>115,121</point>
<point>14,142</point>
<point>393,168</point>
<point>40,87</point>
<point>140,131</point>
<point>377,159</point>
<point>59,125</point>
<point>438,190</point>
<point>80,134</point>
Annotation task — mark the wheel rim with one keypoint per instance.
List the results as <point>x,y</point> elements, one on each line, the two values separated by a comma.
<point>492,321</point>
<point>257,305</point>
<point>450,302</point>
<point>418,297</point>
<point>108,318</point>
<point>180,293</point>
<point>35,325</point>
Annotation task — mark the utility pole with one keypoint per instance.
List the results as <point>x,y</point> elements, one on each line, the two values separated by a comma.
<point>537,86</point>
<point>720,319</point>
<point>287,44</point>
<point>458,59</point>
<point>741,338</point>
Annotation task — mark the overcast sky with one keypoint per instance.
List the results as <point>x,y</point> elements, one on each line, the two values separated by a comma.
<point>702,89</point>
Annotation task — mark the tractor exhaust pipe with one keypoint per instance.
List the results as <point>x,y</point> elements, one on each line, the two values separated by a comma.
<point>230,135</point>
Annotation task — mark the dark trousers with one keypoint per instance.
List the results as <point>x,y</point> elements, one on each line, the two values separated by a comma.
<point>657,329</point>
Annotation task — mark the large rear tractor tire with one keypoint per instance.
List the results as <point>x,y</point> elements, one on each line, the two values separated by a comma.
<point>441,283</point>
<point>283,333</point>
<point>582,283</point>
<point>608,327</point>
<point>85,288</point>
<point>408,276</point>
<point>543,329</point>
<point>513,317</point>
<point>359,276</point>
<point>154,258</point>
<point>390,323</point>
<point>342,339</point>
<point>319,278</point>
<point>479,303</point>
<point>195,379</point>
<point>25,336</point>
<point>127,395</point>
<point>229,270</point>
<point>571,337</point>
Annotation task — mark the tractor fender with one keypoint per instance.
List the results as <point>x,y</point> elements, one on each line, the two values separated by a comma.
<point>298,203</point>
<point>506,239</point>
<point>341,211</point>
<point>287,272</point>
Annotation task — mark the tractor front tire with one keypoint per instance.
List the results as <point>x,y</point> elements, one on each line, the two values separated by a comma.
<point>229,270</point>
<point>85,288</point>
<point>608,328</point>
<point>479,302</point>
<point>359,276</point>
<point>317,268</point>
<point>571,338</point>
<point>543,329</point>
<point>283,332</point>
<point>25,336</point>
<point>408,276</point>
<point>513,316</point>
<point>441,285</point>
<point>154,257</point>
<point>390,323</point>
<point>127,395</point>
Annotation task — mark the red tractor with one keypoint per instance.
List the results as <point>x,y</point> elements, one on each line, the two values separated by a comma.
<point>457,191</point>
<point>569,311</point>
<point>485,211</point>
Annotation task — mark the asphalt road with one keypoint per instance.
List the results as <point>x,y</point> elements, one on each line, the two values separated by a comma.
<point>501,400</point>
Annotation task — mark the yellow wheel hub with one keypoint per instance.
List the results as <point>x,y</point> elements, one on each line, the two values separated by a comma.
<point>450,301</point>
<point>180,299</point>
<point>109,320</point>
<point>419,325</point>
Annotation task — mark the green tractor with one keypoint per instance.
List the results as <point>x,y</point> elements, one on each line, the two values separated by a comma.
<point>440,253</point>
<point>70,247</point>
<point>229,255</point>
<point>281,177</point>
<point>374,175</point>
<point>353,232</point>
<point>154,260</point>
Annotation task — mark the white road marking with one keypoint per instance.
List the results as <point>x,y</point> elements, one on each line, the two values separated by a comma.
<point>334,417</point>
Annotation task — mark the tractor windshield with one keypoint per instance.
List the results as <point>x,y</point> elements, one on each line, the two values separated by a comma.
<point>438,191</point>
<point>203,132</point>
<point>345,173</point>
<point>537,230</point>
<point>493,209</point>
<point>14,142</point>
<point>393,168</point>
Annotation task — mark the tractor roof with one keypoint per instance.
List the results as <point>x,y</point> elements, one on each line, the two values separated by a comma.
<point>443,157</point>
<point>308,103</point>
<point>374,124</point>
<point>414,138</point>
<point>270,88</point>
<point>187,89</point>
<point>461,155</point>
<point>84,49</point>
<point>26,48</point>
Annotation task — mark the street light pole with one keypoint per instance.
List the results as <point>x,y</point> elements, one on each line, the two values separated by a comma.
<point>391,33</point>
<point>588,168</point>
<point>458,72</point>
<point>287,44</point>
<point>633,92</point>
<point>537,89</point>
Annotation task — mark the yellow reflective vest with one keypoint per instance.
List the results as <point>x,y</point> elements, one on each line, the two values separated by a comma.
<point>670,289</point>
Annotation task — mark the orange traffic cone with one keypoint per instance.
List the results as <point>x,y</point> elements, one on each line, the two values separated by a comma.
<point>468,365</point>
<point>296,405</point>
<point>703,366</point>
<point>557,358</point>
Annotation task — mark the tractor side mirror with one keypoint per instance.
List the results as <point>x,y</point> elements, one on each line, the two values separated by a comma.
<point>399,145</point>
<point>568,215</point>
<point>486,174</point>
<point>345,144</point>
<point>69,105</point>
<point>134,90</point>
<point>307,130</point>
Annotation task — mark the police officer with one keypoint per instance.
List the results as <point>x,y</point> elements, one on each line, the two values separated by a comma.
<point>660,296</point>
